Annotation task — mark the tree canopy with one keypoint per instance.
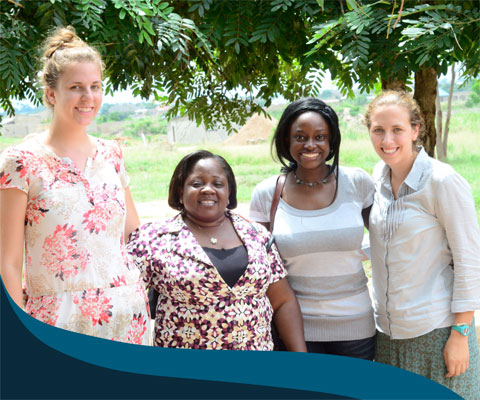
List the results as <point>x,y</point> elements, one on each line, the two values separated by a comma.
<point>212,59</point>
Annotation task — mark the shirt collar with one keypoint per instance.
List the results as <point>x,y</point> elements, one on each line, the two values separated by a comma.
<point>414,176</point>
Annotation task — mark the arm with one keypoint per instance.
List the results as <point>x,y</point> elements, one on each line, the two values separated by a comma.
<point>455,210</point>
<point>455,353</point>
<point>132,221</point>
<point>287,315</point>
<point>13,205</point>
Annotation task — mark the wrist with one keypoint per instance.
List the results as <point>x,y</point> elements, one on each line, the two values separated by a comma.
<point>462,329</point>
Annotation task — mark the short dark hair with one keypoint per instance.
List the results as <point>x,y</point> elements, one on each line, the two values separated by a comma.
<point>185,167</point>
<point>290,114</point>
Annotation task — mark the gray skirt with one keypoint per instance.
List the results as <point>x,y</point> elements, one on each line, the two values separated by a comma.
<point>423,355</point>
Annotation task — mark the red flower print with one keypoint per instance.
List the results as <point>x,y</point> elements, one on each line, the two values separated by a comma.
<point>44,308</point>
<point>114,155</point>
<point>57,170</point>
<point>36,209</point>
<point>138,327</point>
<point>4,181</point>
<point>104,206</point>
<point>118,281</point>
<point>96,305</point>
<point>61,255</point>
<point>20,167</point>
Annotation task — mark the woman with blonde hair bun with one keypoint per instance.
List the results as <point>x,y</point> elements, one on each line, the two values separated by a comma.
<point>64,199</point>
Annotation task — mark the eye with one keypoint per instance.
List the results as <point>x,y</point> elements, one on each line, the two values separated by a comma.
<point>96,87</point>
<point>75,87</point>
<point>196,184</point>
<point>377,131</point>
<point>299,138</point>
<point>219,184</point>
<point>320,138</point>
<point>397,130</point>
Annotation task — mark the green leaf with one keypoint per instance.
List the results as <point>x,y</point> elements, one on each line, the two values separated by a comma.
<point>122,14</point>
<point>147,38</point>
<point>148,27</point>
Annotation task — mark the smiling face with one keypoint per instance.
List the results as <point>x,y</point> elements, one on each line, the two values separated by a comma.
<point>309,140</point>
<point>205,194</point>
<point>392,136</point>
<point>77,97</point>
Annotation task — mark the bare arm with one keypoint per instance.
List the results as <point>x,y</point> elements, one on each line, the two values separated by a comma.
<point>287,315</point>
<point>132,221</point>
<point>455,353</point>
<point>13,205</point>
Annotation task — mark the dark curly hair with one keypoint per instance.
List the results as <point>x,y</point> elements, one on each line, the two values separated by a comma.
<point>185,167</point>
<point>282,133</point>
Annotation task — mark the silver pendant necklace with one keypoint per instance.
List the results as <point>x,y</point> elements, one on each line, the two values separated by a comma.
<point>213,240</point>
<point>298,181</point>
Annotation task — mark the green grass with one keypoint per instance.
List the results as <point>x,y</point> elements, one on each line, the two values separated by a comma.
<point>150,167</point>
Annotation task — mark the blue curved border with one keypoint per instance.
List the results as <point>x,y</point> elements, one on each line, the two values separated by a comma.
<point>308,372</point>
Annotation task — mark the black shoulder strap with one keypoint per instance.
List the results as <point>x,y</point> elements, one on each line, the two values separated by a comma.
<point>276,198</point>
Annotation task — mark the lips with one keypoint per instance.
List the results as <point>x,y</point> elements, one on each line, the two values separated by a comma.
<point>207,202</point>
<point>84,109</point>
<point>310,155</point>
<point>389,151</point>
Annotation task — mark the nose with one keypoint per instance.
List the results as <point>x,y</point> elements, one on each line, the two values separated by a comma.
<point>208,188</point>
<point>388,137</point>
<point>310,143</point>
<point>87,94</point>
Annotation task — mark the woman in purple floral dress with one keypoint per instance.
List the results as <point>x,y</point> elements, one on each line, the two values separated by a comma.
<point>64,199</point>
<point>219,285</point>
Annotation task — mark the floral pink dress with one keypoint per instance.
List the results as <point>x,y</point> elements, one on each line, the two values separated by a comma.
<point>77,272</point>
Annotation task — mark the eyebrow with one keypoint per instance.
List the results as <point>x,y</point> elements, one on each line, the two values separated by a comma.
<point>81,83</point>
<point>316,130</point>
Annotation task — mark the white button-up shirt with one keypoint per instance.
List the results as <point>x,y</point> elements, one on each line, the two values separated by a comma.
<point>413,242</point>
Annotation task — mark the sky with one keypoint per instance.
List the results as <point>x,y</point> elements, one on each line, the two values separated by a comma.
<point>126,96</point>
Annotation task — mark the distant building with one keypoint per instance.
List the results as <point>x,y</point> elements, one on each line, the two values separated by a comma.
<point>182,130</point>
<point>25,124</point>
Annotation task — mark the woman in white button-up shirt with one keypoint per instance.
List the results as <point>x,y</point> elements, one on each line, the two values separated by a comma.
<point>425,245</point>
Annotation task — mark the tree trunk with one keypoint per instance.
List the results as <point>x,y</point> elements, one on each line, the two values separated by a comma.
<point>439,120</point>
<point>425,95</point>
<point>393,84</point>
<point>449,112</point>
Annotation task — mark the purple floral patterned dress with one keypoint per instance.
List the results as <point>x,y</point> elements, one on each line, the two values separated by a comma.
<point>77,272</point>
<point>196,308</point>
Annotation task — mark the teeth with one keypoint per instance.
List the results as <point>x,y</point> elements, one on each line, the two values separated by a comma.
<point>389,151</point>
<point>84,109</point>
<point>310,155</point>
<point>208,202</point>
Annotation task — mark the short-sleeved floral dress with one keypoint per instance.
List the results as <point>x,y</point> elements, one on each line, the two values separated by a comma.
<point>78,274</point>
<point>197,309</point>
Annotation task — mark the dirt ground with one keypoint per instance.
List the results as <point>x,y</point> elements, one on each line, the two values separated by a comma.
<point>256,130</point>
